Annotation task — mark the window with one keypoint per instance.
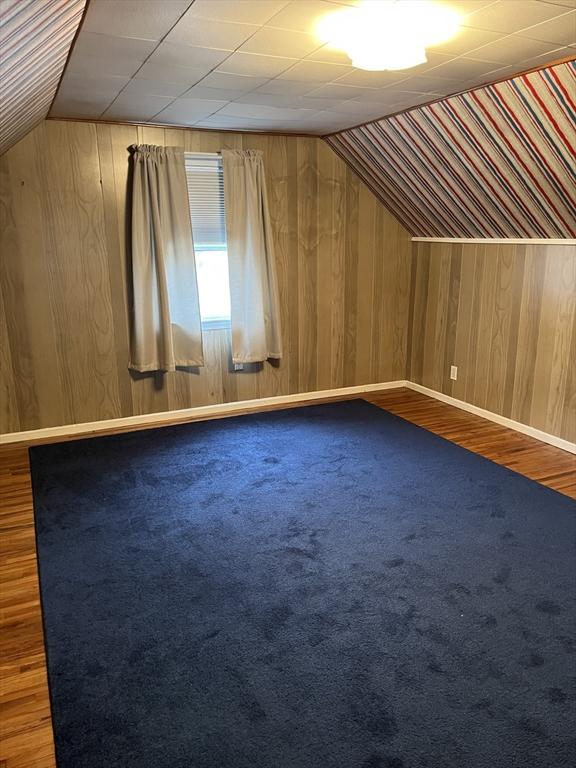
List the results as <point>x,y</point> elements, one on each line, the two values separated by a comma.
<point>206,196</point>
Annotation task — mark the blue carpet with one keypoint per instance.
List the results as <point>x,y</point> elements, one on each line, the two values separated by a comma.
<point>323,587</point>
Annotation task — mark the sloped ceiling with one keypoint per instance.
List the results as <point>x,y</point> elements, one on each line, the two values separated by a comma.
<point>494,162</point>
<point>35,36</point>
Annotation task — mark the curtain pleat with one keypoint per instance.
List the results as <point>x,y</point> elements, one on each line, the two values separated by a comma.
<point>254,301</point>
<point>166,324</point>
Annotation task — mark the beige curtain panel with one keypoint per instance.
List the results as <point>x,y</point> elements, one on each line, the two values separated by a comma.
<point>166,324</point>
<point>254,302</point>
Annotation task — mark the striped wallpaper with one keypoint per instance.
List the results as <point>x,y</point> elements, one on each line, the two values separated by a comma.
<point>35,36</point>
<point>495,162</point>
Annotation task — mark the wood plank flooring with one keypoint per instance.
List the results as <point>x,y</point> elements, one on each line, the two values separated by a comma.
<point>26,732</point>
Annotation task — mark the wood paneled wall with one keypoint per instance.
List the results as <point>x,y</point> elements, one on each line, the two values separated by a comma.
<point>506,316</point>
<point>343,262</point>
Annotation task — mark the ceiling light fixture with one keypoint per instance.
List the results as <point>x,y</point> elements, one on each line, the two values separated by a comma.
<point>389,34</point>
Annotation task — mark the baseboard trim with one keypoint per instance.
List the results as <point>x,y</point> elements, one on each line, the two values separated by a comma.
<point>222,410</point>
<point>199,413</point>
<point>517,426</point>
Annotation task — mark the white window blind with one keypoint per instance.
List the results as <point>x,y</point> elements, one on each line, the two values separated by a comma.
<point>206,196</point>
<point>205,180</point>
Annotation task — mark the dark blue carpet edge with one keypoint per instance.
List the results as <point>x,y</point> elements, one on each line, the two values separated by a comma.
<point>375,759</point>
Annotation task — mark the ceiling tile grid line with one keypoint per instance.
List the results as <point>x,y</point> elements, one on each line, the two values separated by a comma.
<point>495,162</point>
<point>253,49</point>
<point>35,38</point>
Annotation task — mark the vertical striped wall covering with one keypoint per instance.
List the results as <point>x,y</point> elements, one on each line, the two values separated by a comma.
<point>35,36</point>
<point>494,162</point>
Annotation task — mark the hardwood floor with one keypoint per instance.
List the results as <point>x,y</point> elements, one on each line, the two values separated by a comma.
<point>26,731</point>
<point>525,455</point>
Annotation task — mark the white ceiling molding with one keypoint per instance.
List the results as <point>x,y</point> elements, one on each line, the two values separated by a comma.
<point>506,240</point>
<point>35,38</point>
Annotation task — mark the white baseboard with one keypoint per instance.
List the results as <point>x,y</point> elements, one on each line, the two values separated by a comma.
<point>150,420</point>
<point>517,426</point>
<point>221,410</point>
<point>505,240</point>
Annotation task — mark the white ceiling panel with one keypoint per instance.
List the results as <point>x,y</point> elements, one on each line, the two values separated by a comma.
<point>293,88</point>
<point>176,54</point>
<point>517,48</point>
<point>561,30</point>
<point>301,15</point>
<point>189,111</point>
<point>260,63</point>
<point>513,15</point>
<point>264,112</point>
<point>120,65</point>
<point>228,81</point>
<point>130,106</point>
<point>144,86</point>
<point>212,94</point>
<point>316,72</point>
<point>154,70</point>
<point>147,19</point>
<point>244,11</point>
<point>77,107</point>
<point>281,42</point>
<point>194,30</point>
<point>96,44</point>
<point>256,65</point>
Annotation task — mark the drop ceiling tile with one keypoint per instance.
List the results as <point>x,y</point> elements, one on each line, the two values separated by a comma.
<point>337,91</point>
<point>171,73</point>
<point>315,72</point>
<point>133,18</point>
<point>267,99</point>
<point>364,78</point>
<point>136,107</point>
<point>77,108</point>
<point>106,66</point>
<point>512,15</point>
<point>302,15</point>
<point>256,65</point>
<point>212,94</point>
<point>463,69</point>
<point>430,84</point>
<point>263,112</point>
<point>194,30</point>
<point>230,82</point>
<point>328,122</point>
<point>155,87</point>
<point>99,94</point>
<point>281,42</point>
<point>467,40</point>
<point>540,61</point>
<point>513,49</point>
<point>251,12</point>
<point>225,122</point>
<point>286,87</point>
<point>360,108</point>
<point>563,3</point>
<point>92,82</point>
<point>561,30</point>
<point>96,44</point>
<point>465,7</point>
<point>329,55</point>
<point>318,104</point>
<point>188,55</point>
<point>188,111</point>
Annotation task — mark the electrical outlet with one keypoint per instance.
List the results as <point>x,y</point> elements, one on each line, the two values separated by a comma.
<point>453,372</point>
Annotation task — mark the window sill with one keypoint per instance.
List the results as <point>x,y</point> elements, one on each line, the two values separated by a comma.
<point>215,325</point>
